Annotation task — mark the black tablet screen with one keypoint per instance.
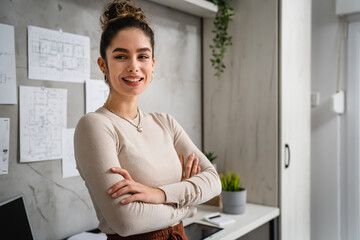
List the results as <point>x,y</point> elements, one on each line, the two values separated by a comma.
<point>198,231</point>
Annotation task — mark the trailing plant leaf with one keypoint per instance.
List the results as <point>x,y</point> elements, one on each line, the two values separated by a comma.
<point>221,39</point>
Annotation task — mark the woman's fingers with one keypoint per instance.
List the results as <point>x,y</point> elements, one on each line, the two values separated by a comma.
<point>122,172</point>
<point>194,168</point>
<point>181,158</point>
<point>114,189</point>
<point>189,166</point>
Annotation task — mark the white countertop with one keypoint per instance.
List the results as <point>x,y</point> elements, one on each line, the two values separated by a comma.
<point>254,216</point>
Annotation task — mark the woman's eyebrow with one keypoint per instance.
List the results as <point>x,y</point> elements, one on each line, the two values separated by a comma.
<point>145,49</point>
<point>120,50</point>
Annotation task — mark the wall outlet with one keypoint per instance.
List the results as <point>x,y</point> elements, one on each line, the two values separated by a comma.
<point>338,100</point>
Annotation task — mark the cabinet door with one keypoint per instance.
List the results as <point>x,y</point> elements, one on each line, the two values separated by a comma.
<point>295,29</point>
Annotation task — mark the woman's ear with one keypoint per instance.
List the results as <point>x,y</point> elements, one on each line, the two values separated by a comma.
<point>102,65</point>
<point>153,63</point>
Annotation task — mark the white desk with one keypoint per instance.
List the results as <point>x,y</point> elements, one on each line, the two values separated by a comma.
<point>254,216</point>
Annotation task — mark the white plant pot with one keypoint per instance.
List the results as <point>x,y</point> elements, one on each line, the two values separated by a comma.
<point>234,202</point>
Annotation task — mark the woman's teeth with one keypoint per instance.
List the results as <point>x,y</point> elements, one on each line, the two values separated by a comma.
<point>132,79</point>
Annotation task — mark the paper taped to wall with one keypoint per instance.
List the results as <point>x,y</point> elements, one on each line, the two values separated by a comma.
<point>97,92</point>
<point>7,65</point>
<point>43,115</point>
<point>68,159</point>
<point>58,56</point>
<point>4,145</point>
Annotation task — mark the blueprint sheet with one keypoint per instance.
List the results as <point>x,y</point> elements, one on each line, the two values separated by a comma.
<point>7,65</point>
<point>97,92</point>
<point>58,56</point>
<point>43,115</point>
<point>4,145</point>
<point>68,159</point>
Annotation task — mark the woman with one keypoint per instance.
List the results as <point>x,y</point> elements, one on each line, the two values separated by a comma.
<point>130,159</point>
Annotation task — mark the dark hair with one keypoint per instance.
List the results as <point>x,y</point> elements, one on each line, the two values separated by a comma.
<point>119,15</point>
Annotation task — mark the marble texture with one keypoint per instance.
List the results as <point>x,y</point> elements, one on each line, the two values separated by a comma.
<point>61,207</point>
<point>241,110</point>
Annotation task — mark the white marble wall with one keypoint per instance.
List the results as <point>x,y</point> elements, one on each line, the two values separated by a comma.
<point>60,207</point>
<point>176,87</point>
<point>241,110</point>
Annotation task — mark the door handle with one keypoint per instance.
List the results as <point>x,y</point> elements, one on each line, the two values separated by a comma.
<point>287,155</point>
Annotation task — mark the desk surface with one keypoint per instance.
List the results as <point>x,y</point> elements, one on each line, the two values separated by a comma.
<point>254,216</point>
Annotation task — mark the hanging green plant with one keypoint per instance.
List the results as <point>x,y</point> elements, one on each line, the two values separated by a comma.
<point>221,39</point>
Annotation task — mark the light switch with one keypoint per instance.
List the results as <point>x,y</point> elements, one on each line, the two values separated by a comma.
<point>315,99</point>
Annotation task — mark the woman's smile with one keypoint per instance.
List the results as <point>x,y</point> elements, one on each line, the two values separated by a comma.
<point>133,80</point>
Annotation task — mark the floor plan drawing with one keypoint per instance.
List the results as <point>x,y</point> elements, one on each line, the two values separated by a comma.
<point>43,115</point>
<point>58,56</point>
<point>7,65</point>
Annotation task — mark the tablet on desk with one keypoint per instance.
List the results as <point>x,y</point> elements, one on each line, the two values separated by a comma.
<point>198,231</point>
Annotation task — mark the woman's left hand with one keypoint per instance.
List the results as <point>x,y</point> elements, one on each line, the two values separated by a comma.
<point>138,191</point>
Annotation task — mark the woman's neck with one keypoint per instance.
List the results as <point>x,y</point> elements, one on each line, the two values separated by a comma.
<point>125,107</point>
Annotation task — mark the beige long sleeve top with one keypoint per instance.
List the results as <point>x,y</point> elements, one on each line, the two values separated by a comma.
<point>103,140</point>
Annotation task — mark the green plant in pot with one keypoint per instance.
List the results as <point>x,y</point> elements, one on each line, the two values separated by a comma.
<point>233,194</point>
<point>211,156</point>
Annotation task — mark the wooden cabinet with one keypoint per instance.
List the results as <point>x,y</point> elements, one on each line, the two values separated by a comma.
<point>262,104</point>
<point>294,103</point>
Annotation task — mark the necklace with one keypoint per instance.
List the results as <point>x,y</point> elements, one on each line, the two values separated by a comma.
<point>138,128</point>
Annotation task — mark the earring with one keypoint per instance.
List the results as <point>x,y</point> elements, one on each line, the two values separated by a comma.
<point>106,79</point>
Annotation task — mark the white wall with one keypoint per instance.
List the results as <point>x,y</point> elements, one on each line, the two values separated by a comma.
<point>325,173</point>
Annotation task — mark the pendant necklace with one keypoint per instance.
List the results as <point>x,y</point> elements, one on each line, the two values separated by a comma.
<point>138,128</point>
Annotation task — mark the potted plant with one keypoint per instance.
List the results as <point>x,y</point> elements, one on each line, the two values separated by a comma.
<point>211,156</point>
<point>233,194</point>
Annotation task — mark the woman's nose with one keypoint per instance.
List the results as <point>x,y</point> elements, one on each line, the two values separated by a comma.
<point>133,65</point>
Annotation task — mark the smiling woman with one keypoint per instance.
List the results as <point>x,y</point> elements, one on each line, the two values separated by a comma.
<point>143,172</point>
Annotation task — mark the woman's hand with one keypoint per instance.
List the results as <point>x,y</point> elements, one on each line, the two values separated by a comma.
<point>138,191</point>
<point>192,166</point>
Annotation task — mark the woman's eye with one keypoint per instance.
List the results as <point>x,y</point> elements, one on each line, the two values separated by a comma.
<point>143,57</point>
<point>120,57</point>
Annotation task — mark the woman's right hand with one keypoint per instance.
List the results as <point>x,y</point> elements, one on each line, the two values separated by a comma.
<point>192,166</point>
<point>137,191</point>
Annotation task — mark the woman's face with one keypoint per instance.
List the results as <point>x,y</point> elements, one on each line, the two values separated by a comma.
<point>129,63</point>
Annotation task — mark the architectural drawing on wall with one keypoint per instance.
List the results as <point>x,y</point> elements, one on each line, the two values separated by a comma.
<point>7,65</point>
<point>4,145</point>
<point>43,115</point>
<point>68,158</point>
<point>58,56</point>
<point>97,92</point>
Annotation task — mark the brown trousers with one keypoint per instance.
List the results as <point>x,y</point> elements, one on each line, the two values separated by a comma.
<point>176,232</point>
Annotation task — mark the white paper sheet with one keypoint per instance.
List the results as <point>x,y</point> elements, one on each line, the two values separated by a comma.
<point>58,56</point>
<point>43,115</point>
<point>68,159</point>
<point>4,145</point>
<point>88,236</point>
<point>97,92</point>
<point>7,65</point>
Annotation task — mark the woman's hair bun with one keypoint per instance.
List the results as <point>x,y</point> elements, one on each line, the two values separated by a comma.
<point>119,9</point>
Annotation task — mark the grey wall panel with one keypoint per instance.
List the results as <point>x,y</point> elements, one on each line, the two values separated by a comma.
<point>241,110</point>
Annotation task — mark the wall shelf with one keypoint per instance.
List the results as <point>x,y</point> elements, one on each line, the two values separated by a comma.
<point>201,8</point>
